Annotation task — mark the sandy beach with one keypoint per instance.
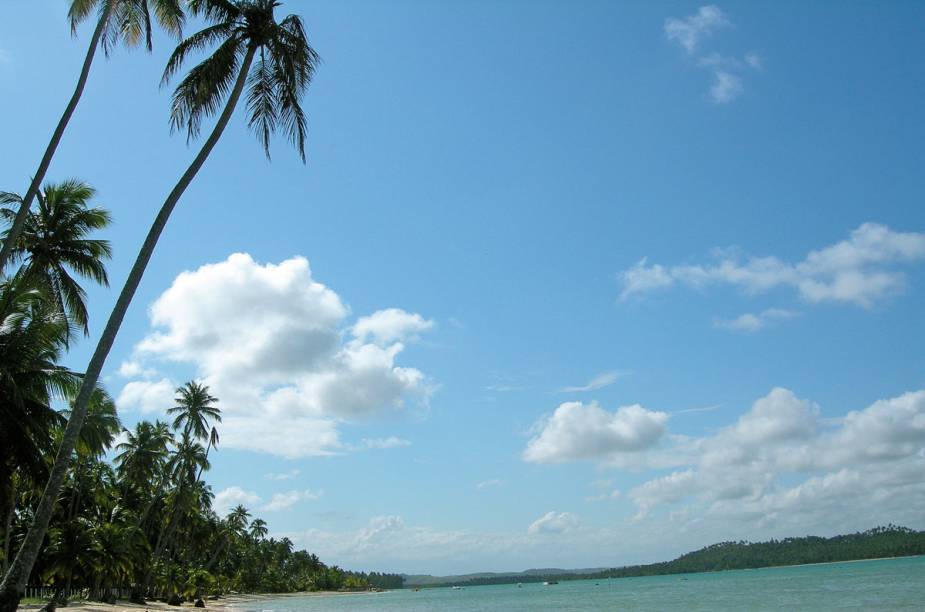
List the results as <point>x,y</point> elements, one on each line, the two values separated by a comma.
<point>225,604</point>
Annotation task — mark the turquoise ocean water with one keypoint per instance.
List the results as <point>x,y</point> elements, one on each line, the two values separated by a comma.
<point>888,584</point>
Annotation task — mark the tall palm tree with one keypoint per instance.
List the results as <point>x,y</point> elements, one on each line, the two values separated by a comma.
<point>195,408</point>
<point>54,244</point>
<point>183,465</point>
<point>245,29</point>
<point>125,20</point>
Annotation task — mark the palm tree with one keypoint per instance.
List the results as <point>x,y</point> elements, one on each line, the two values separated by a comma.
<point>54,241</point>
<point>115,548</point>
<point>126,20</point>
<point>247,30</point>
<point>143,453</point>
<point>195,408</point>
<point>100,427</point>
<point>258,529</point>
<point>182,466</point>
<point>33,335</point>
<point>237,519</point>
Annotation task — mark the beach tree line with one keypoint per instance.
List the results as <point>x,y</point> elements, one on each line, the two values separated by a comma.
<point>70,517</point>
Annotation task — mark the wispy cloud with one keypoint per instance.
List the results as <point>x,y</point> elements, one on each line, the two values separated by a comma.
<point>701,409</point>
<point>502,388</point>
<point>283,475</point>
<point>609,495</point>
<point>284,501</point>
<point>485,484</point>
<point>598,382</point>
<point>859,270</point>
<point>553,523</point>
<point>384,443</point>
<point>726,87</point>
<point>689,32</point>
<point>752,322</point>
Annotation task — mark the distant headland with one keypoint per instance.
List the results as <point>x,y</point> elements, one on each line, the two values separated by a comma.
<point>876,543</point>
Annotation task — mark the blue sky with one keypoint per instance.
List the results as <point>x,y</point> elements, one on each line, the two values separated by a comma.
<point>581,284</point>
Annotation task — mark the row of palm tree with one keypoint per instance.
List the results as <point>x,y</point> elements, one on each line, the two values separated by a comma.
<point>271,64</point>
<point>111,528</point>
<point>113,533</point>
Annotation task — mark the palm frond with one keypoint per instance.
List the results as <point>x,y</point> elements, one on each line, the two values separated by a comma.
<point>200,93</point>
<point>169,14</point>
<point>214,10</point>
<point>262,101</point>
<point>78,11</point>
<point>197,41</point>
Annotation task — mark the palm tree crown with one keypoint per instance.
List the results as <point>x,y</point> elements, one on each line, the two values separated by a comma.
<point>54,244</point>
<point>101,426</point>
<point>129,20</point>
<point>285,65</point>
<point>195,409</point>
<point>143,452</point>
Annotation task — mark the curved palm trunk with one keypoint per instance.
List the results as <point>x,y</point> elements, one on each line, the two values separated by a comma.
<point>199,475</point>
<point>8,526</point>
<point>164,538</point>
<point>14,582</point>
<point>26,203</point>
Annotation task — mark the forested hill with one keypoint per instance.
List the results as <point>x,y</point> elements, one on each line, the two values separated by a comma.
<point>889,541</point>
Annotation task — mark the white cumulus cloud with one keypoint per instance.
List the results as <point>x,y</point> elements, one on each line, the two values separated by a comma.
<point>781,463</point>
<point>391,325</point>
<point>228,498</point>
<point>274,346</point>
<point>587,431</point>
<point>147,396</point>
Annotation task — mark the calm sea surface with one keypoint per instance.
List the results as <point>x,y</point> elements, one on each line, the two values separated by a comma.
<point>889,584</point>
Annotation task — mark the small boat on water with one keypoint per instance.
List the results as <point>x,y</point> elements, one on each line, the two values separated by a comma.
<point>549,582</point>
<point>457,588</point>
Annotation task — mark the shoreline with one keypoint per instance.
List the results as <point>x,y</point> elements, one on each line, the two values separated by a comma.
<point>228,603</point>
<point>235,603</point>
<point>579,577</point>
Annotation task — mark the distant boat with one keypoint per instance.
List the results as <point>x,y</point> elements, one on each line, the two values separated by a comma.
<point>549,582</point>
<point>520,585</point>
<point>457,588</point>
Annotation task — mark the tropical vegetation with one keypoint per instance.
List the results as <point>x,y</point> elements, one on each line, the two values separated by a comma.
<point>86,506</point>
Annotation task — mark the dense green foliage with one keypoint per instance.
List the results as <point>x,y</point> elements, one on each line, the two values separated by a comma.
<point>889,541</point>
<point>134,517</point>
<point>146,523</point>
